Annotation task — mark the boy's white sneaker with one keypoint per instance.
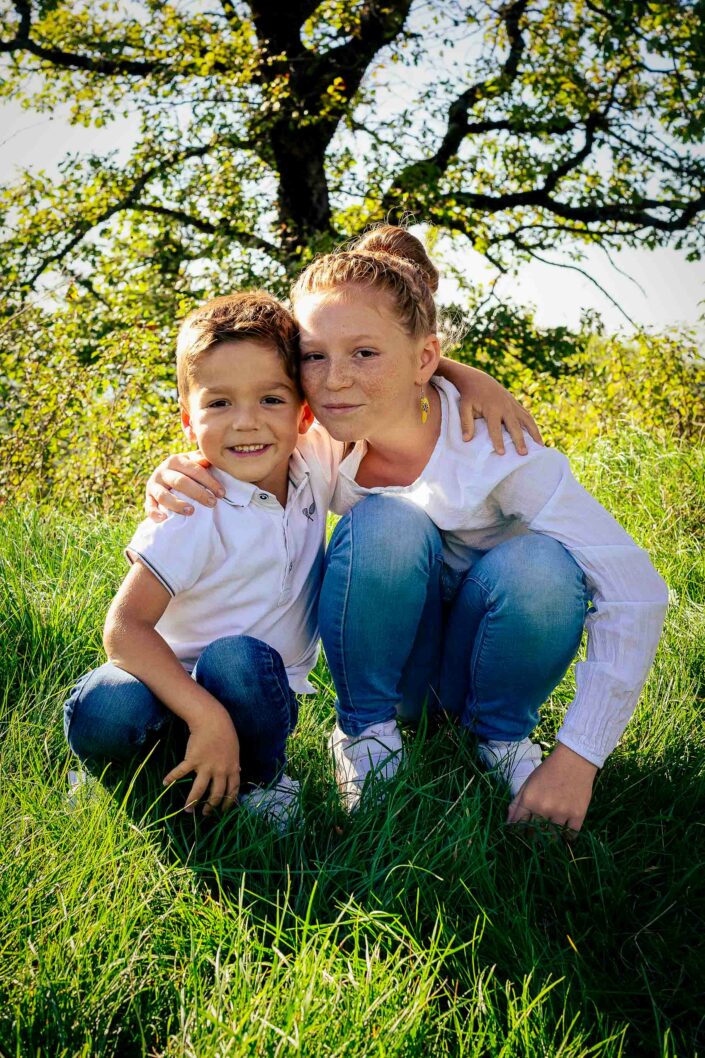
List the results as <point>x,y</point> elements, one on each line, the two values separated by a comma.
<point>513,762</point>
<point>279,804</point>
<point>83,787</point>
<point>376,751</point>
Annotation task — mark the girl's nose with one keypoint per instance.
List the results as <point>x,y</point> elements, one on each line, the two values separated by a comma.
<point>338,376</point>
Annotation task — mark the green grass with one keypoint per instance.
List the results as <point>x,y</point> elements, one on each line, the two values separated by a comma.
<point>423,927</point>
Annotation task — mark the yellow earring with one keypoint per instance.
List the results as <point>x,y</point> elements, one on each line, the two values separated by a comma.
<point>425,407</point>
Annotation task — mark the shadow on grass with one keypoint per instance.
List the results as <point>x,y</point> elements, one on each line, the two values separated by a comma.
<point>617,917</point>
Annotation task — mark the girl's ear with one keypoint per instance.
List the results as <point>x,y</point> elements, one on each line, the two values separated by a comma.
<point>186,424</point>
<point>306,418</point>
<point>429,358</point>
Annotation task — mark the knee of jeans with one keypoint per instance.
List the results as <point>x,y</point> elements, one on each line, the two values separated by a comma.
<point>386,525</point>
<point>541,576</point>
<point>104,722</point>
<point>228,655</point>
<point>237,667</point>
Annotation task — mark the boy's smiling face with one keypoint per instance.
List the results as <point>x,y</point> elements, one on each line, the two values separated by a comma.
<point>245,413</point>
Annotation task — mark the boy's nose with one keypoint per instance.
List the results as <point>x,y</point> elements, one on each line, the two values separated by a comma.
<point>244,418</point>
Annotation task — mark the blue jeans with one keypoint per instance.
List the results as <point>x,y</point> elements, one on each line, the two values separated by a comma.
<point>399,627</point>
<point>111,715</point>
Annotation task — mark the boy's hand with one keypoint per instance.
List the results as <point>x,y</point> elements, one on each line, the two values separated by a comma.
<point>186,473</point>
<point>213,752</point>
<point>482,397</point>
<point>560,791</point>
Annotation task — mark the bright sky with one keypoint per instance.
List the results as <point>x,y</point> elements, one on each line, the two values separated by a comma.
<point>664,288</point>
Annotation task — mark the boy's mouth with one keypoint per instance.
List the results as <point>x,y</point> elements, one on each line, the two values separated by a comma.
<point>249,450</point>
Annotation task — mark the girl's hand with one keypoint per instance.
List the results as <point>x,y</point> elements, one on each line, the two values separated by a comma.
<point>559,791</point>
<point>482,397</point>
<point>213,753</point>
<point>489,401</point>
<point>186,473</point>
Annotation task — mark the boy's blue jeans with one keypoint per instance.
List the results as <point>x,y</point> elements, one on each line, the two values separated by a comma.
<point>399,626</point>
<point>111,715</point>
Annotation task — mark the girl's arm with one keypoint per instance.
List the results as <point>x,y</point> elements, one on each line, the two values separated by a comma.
<point>482,397</point>
<point>629,601</point>
<point>186,473</point>
<point>132,643</point>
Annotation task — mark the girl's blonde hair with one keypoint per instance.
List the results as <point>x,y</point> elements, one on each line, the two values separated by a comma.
<point>387,259</point>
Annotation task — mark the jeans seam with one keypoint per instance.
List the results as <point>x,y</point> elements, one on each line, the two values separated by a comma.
<point>284,693</point>
<point>341,623</point>
<point>476,648</point>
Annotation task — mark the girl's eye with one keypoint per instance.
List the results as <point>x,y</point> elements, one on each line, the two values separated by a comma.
<point>272,400</point>
<point>308,358</point>
<point>365,354</point>
<point>218,404</point>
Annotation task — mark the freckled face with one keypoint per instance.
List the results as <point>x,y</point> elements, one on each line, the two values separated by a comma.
<point>359,367</point>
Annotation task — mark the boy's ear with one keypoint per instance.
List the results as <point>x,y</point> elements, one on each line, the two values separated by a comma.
<point>186,423</point>
<point>306,418</point>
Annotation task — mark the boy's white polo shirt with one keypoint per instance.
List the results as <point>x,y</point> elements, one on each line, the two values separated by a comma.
<point>248,566</point>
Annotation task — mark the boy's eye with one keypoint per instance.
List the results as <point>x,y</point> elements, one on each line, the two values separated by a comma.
<point>222,403</point>
<point>272,400</point>
<point>365,354</point>
<point>307,358</point>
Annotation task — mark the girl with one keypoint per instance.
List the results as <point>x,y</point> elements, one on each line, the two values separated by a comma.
<point>456,576</point>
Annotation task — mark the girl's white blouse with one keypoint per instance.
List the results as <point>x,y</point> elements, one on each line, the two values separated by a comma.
<point>479,499</point>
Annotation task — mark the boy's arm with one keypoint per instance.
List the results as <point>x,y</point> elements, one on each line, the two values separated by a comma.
<point>482,397</point>
<point>132,643</point>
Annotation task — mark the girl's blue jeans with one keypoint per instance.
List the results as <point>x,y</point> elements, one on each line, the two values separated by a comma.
<point>111,715</point>
<point>401,628</point>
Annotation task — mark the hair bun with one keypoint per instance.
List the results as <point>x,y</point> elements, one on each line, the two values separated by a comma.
<point>397,242</point>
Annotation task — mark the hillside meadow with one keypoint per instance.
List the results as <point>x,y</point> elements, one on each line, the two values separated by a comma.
<point>421,927</point>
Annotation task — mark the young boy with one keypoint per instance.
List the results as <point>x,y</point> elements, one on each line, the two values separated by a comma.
<point>214,627</point>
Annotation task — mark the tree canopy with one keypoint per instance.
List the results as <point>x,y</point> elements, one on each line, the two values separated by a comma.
<point>266,132</point>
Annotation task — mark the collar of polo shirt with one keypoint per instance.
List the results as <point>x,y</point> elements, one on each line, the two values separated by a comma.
<point>237,493</point>
<point>241,493</point>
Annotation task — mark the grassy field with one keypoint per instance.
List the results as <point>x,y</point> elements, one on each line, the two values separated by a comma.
<point>421,928</point>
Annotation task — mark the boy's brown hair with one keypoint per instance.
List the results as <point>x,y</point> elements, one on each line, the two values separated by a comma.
<point>250,315</point>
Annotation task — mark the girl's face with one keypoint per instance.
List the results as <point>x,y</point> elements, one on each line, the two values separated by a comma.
<point>360,370</point>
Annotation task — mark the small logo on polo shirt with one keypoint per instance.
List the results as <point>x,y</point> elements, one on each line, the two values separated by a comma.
<point>310,511</point>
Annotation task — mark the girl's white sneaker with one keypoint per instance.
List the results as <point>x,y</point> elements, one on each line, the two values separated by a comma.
<point>512,762</point>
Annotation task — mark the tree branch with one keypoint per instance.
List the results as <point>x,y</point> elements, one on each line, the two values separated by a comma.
<point>58,57</point>
<point>582,272</point>
<point>129,199</point>
<point>379,26</point>
<point>116,67</point>
<point>245,238</point>
<point>458,123</point>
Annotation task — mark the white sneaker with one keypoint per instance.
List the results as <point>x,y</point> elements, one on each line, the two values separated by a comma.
<point>279,804</point>
<point>376,751</point>
<point>513,762</point>
<point>83,788</point>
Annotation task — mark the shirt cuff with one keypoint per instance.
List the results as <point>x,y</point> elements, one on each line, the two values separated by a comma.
<point>578,746</point>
